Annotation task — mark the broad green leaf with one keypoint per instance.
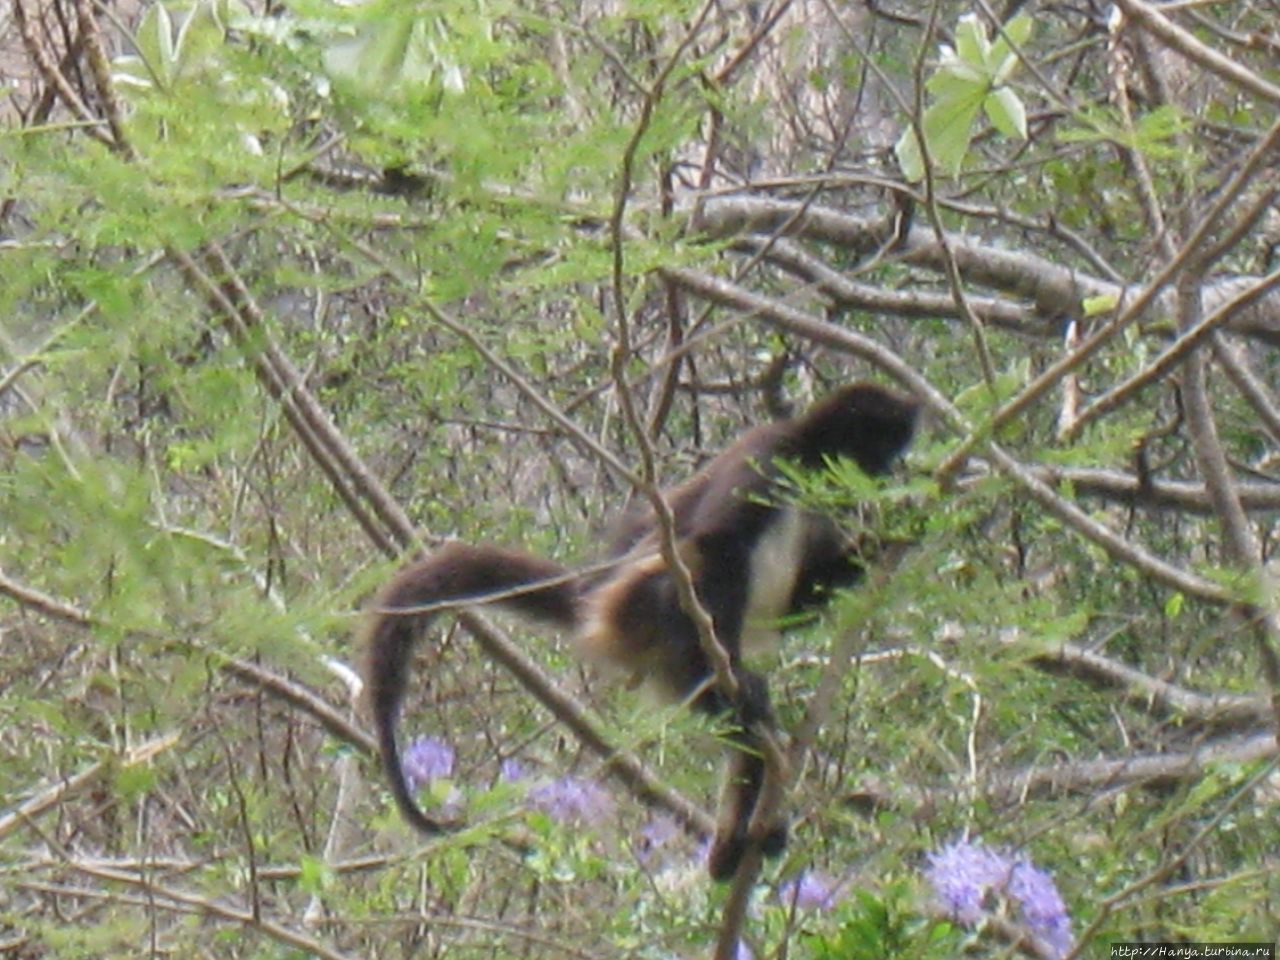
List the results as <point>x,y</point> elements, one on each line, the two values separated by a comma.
<point>200,40</point>
<point>314,875</point>
<point>947,125</point>
<point>132,71</point>
<point>395,55</point>
<point>1001,58</point>
<point>910,159</point>
<point>955,75</point>
<point>1007,114</point>
<point>971,41</point>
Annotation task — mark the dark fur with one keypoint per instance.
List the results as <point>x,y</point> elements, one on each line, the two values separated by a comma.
<point>727,520</point>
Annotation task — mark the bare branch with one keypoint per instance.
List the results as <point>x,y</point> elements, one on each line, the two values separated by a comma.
<point>1175,353</point>
<point>1203,56</point>
<point>164,895</point>
<point>1014,787</point>
<point>1240,544</point>
<point>1251,388</point>
<point>1053,291</point>
<point>61,790</point>
<point>1159,495</point>
<point>1215,711</point>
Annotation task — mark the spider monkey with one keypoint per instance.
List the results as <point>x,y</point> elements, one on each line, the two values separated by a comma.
<point>753,560</point>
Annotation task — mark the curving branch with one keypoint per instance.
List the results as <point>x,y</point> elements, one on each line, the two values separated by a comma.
<point>287,690</point>
<point>843,292</point>
<point>1120,487</point>
<point>1149,769</point>
<point>67,787</point>
<point>1240,545</point>
<point>1053,291</point>
<point>1254,391</point>
<point>1015,786</point>
<point>1176,353</point>
<point>1214,711</point>
<point>171,898</point>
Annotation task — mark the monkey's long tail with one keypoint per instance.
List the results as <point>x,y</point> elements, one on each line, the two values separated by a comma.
<point>456,573</point>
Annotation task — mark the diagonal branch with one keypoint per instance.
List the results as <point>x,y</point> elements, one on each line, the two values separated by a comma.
<point>1198,53</point>
<point>1240,545</point>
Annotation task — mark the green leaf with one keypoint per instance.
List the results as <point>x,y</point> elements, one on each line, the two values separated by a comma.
<point>954,77</point>
<point>947,125</point>
<point>971,41</point>
<point>392,55</point>
<point>1007,114</point>
<point>134,780</point>
<point>314,875</point>
<point>1093,306</point>
<point>200,39</point>
<point>910,159</point>
<point>1000,58</point>
<point>155,43</point>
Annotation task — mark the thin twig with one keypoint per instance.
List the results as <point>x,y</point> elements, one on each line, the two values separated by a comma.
<point>62,790</point>
<point>1173,355</point>
<point>166,895</point>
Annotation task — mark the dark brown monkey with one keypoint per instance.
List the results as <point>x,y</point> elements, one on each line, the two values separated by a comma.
<point>754,560</point>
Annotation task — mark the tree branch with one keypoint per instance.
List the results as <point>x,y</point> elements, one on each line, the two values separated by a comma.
<point>1053,291</point>
<point>1198,53</point>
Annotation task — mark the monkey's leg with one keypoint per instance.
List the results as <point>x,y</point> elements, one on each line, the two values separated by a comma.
<point>744,779</point>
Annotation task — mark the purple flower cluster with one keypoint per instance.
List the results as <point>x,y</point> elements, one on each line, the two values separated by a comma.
<point>654,835</point>
<point>511,771</point>
<point>428,759</point>
<point>811,890</point>
<point>573,799</point>
<point>967,878</point>
<point>1043,909</point>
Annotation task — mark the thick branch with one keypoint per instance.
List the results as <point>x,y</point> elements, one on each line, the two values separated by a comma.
<point>1240,545</point>
<point>1216,711</point>
<point>1198,53</point>
<point>1054,291</point>
<point>849,294</point>
<point>1181,495</point>
<point>1014,787</point>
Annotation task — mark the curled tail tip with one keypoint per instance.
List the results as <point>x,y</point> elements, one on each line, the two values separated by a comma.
<point>414,815</point>
<point>387,641</point>
<point>401,792</point>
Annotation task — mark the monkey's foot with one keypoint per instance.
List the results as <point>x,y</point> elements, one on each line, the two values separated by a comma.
<point>727,851</point>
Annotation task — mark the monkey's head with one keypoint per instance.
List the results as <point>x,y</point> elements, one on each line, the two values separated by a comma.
<point>864,421</point>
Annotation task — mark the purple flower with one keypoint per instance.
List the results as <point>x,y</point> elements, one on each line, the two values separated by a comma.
<point>426,760</point>
<point>573,799</point>
<point>810,891</point>
<point>743,952</point>
<point>962,874</point>
<point>965,876</point>
<point>1043,909</point>
<point>512,771</point>
<point>655,835</point>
